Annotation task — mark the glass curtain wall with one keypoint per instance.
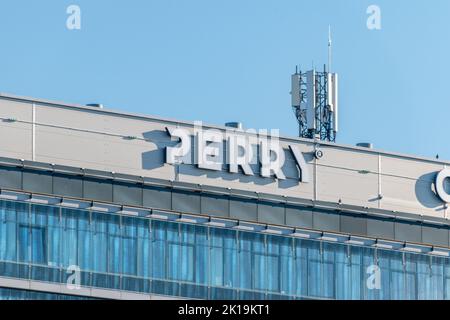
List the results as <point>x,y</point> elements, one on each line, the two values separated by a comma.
<point>47,243</point>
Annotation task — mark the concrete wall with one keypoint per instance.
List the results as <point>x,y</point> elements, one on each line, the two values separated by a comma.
<point>100,139</point>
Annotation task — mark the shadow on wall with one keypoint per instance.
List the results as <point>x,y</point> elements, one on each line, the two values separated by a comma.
<point>155,158</point>
<point>426,192</point>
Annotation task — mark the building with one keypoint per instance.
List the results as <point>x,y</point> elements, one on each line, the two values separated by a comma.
<point>96,203</point>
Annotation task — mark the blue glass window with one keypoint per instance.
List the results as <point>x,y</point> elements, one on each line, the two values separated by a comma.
<point>192,260</point>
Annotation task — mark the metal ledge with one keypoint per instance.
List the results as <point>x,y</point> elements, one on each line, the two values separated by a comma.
<point>89,292</point>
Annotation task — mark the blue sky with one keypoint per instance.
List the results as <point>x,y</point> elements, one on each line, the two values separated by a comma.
<point>220,61</point>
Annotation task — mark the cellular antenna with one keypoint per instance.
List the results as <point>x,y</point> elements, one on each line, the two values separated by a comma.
<point>315,100</point>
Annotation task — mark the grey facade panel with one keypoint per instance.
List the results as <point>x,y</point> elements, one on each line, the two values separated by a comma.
<point>159,198</point>
<point>435,235</point>
<point>37,181</point>
<point>380,228</point>
<point>69,186</point>
<point>408,231</point>
<point>354,224</point>
<point>97,190</point>
<point>327,221</point>
<point>243,209</point>
<point>272,213</point>
<point>186,201</point>
<point>127,194</point>
<point>299,217</point>
<point>10,178</point>
<point>215,205</point>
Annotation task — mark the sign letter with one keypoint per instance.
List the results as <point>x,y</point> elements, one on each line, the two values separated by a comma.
<point>301,163</point>
<point>268,164</point>
<point>173,154</point>
<point>440,183</point>
<point>209,149</point>
<point>236,143</point>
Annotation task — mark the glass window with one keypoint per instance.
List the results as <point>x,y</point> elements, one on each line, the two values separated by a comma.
<point>24,243</point>
<point>280,264</point>
<point>184,259</point>
<point>446,290</point>
<point>343,273</point>
<point>129,245</point>
<point>369,267</point>
<point>159,250</point>
<point>8,232</point>
<point>143,248</point>
<point>224,258</point>
<point>173,259</point>
<point>410,276</point>
<point>129,252</point>
<point>301,268</point>
<point>69,238</point>
<point>437,278</point>
<point>99,243</point>
<point>315,279</point>
<point>38,245</point>
<point>252,261</point>
<point>424,277</point>
<point>114,250</point>
<point>186,262</point>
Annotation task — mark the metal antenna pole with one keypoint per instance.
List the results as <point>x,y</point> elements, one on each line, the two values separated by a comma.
<point>329,48</point>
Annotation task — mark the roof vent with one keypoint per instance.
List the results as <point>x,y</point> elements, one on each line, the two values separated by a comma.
<point>95,105</point>
<point>365,145</point>
<point>236,125</point>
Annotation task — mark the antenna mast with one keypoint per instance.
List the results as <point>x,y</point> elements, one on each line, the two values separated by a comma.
<point>315,101</point>
<point>329,48</point>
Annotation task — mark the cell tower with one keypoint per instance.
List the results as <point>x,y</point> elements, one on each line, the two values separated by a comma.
<point>315,102</point>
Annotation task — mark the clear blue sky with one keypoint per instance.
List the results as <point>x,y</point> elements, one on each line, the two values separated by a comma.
<point>226,60</point>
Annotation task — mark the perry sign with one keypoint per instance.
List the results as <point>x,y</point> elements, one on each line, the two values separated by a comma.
<point>208,150</point>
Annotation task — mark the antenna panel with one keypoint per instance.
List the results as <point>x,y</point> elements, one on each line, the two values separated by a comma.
<point>311,99</point>
<point>295,91</point>
<point>334,100</point>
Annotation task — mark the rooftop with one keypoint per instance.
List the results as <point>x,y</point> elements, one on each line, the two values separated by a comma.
<point>120,113</point>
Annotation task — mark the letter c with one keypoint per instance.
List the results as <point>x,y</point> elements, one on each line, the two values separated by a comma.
<point>439,183</point>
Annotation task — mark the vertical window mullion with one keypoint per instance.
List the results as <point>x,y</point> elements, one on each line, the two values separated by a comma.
<point>209,251</point>
<point>29,241</point>
<point>294,275</point>
<point>180,252</point>
<point>91,254</point>
<point>238,260</point>
<point>60,232</point>
<point>121,256</point>
<point>266,266</point>
<point>138,249</point>
<point>150,250</point>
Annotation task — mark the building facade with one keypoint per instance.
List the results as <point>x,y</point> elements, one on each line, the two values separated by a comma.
<point>96,203</point>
